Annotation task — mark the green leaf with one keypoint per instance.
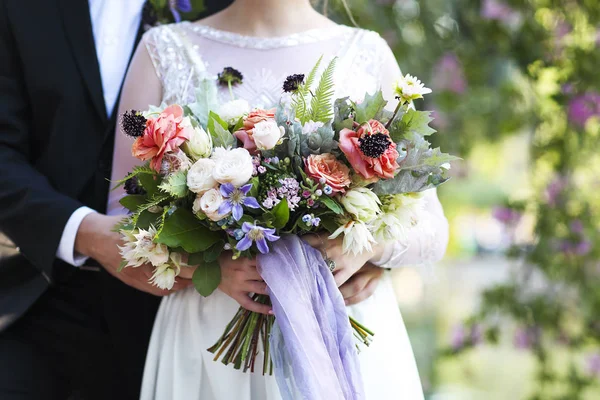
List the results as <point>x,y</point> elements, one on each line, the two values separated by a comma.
<point>331,204</point>
<point>321,103</point>
<point>281,214</point>
<point>154,201</point>
<point>122,265</point>
<point>146,218</point>
<point>221,136</point>
<point>254,189</point>
<point>318,142</point>
<point>239,125</point>
<point>149,183</point>
<point>342,110</point>
<point>216,118</point>
<point>212,254</point>
<point>207,278</point>
<point>370,107</point>
<point>412,122</point>
<point>300,102</point>
<point>328,222</point>
<point>206,100</point>
<point>183,229</point>
<point>175,184</point>
<point>196,258</point>
<point>133,202</point>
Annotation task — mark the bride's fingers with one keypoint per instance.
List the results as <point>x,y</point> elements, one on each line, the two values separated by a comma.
<point>364,294</point>
<point>251,305</point>
<point>256,287</point>
<point>354,285</point>
<point>250,273</point>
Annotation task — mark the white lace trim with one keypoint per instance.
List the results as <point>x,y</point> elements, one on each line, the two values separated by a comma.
<point>263,43</point>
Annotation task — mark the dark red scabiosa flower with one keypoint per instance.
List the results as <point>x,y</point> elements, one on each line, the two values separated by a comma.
<point>293,82</point>
<point>230,76</point>
<point>133,123</point>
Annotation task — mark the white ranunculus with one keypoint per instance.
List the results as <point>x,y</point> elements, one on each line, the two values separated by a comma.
<point>200,176</point>
<point>266,134</point>
<point>357,237</point>
<point>199,145</point>
<point>141,249</point>
<point>410,88</point>
<point>234,166</point>
<point>209,204</point>
<point>362,203</point>
<point>232,111</point>
<point>311,127</point>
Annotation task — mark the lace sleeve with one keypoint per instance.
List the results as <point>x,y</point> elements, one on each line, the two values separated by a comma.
<point>426,242</point>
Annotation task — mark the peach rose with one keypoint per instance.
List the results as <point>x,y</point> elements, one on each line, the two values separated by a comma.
<point>253,118</point>
<point>163,134</point>
<point>326,166</point>
<point>370,150</point>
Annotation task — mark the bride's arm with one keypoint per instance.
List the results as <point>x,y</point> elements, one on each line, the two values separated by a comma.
<point>426,242</point>
<point>141,88</point>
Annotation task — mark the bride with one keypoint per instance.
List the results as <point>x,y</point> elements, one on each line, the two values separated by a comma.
<point>268,40</point>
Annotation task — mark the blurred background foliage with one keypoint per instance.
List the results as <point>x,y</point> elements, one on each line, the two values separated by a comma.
<point>514,311</point>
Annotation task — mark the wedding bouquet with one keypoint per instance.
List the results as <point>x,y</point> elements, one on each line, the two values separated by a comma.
<point>226,177</point>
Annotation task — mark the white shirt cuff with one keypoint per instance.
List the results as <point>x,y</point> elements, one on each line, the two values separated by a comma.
<point>66,247</point>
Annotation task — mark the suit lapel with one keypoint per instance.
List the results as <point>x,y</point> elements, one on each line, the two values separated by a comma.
<point>78,28</point>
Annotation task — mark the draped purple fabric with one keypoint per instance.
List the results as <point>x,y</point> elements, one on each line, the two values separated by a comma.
<point>312,344</point>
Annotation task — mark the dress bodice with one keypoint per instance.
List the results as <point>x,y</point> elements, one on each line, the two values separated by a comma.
<point>185,53</point>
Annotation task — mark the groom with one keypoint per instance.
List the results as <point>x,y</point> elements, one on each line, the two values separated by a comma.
<point>69,324</point>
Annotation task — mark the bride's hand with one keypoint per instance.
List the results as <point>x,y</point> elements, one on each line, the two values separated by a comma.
<point>346,265</point>
<point>239,278</point>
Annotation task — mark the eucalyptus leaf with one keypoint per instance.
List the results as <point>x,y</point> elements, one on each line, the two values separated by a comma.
<point>206,100</point>
<point>207,278</point>
<point>182,229</point>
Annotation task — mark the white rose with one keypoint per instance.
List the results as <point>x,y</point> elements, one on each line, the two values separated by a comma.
<point>362,203</point>
<point>233,166</point>
<point>200,176</point>
<point>209,204</point>
<point>199,145</point>
<point>232,111</point>
<point>266,134</point>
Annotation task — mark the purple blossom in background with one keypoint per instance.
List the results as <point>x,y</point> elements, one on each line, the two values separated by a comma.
<point>593,364</point>
<point>562,29</point>
<point>576,226</point>
<point>440,120</point>
<point>525,338</point>
<point>177,6</point>
<point>584,107</point>
<point>583,248</point>
<point>458,337</point>
<point>500,11</point>
<point>235,198</point>
<point>255,233</point>
<point>506,215</point>
<point>554,190</point>
<point>449,75</point>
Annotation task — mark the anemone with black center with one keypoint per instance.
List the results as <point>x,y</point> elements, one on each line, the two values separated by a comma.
<point>374,145</point>
<point>133,123</point>
<point>292,83</point>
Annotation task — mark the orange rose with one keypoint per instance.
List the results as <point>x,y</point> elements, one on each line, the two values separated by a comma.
<point>163,134</point>
<point>245,134</point>
<point>370,150</point>
<point>326,166</point>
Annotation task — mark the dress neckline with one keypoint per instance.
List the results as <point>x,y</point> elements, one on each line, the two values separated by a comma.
<point>267,43</point>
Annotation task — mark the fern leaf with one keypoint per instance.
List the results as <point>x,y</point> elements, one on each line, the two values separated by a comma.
<point>321,104</point>
<point>139,170</point>
<point>301,104</point>
<point>153,202</point>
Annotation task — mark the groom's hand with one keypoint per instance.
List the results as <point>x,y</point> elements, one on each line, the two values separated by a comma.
<point>95,239</point>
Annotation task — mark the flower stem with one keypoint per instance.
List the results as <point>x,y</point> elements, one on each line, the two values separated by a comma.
<point>398,107</point>
<point>230,90</point>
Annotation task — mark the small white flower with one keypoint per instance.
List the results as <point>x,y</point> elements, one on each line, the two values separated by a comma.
<point>209,204</point>
<point>199,145</point>
<point>410,88</point>
<point>232,111</point>
<point>311,127</point>
<point>266,134</point>
<point>233,166</point>
<point>357,237</point>
<point>141,249</point>
<point>362,203</point>
<point>164,276</point>
<point>200,176</point>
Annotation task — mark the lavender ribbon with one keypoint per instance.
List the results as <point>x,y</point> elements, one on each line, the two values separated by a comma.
<point>312,346</point>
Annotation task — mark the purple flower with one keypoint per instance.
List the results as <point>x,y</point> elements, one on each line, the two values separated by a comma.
<point>506,215</point>
<point>584,247</point>
<point>500,11</point>
<point>593,364</point>
<point>235,198</point>
<point>584,107</point>
<point>525,338</point>
<point>458,337</point>
<point>179,5</point>
<point>577,226</point>
<point>554,190</point>
<point>449,75</point>
<point>260,235</point>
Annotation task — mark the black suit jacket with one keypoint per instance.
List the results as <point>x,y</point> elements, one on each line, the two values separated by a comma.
<point>56,140</point>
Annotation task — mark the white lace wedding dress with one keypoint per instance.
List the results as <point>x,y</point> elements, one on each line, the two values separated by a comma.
<point>173,58</point>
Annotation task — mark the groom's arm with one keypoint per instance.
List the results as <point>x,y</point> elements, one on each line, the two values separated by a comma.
<point>32,213</point>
